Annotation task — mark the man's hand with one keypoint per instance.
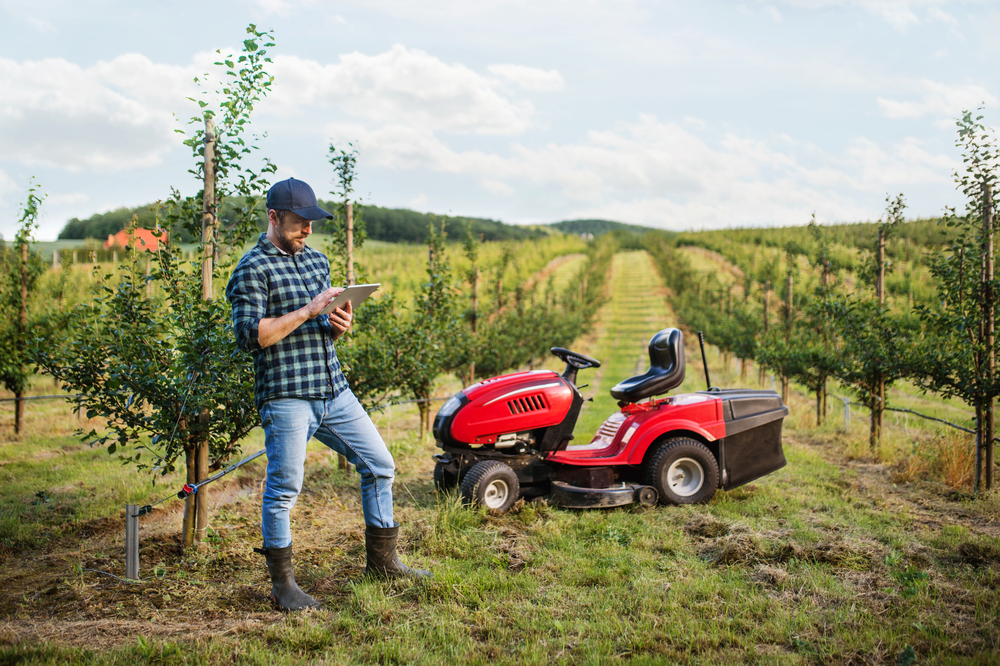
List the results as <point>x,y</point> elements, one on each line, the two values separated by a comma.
<point>273,330</point>
<point>317,304</point>
<point>340,319</point>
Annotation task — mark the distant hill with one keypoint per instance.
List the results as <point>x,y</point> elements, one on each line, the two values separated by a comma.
<point>597,227</point>
<point>395,225</point>
<point>399,225</point>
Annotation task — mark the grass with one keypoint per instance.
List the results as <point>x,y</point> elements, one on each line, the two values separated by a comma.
<point>829,560</point>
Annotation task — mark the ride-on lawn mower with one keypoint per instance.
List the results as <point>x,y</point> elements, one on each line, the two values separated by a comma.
<point>509,437</point>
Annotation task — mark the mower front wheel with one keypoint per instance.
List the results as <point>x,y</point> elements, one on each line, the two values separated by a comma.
<point>683,471</point>
<point>443,479</point>
<point>492,484</point>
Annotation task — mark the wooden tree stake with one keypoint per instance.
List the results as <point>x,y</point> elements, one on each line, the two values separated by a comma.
<point>988,329</point>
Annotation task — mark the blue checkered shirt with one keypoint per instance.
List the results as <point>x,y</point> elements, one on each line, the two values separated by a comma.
<point>269,283</point>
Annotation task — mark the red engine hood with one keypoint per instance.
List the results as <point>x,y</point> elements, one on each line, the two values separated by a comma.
<point>511,403</point>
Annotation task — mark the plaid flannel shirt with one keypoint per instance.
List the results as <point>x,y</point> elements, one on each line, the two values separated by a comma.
<point>268,283</point>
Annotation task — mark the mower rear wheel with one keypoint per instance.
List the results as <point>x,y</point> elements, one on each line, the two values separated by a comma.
<point>492,484</point>
<point>443,479</point>
<point>683,471</point>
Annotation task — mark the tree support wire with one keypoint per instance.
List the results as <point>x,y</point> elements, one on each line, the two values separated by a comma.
<point>192,488</point>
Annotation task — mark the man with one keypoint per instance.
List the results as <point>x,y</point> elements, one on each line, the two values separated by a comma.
<point>277,292</point>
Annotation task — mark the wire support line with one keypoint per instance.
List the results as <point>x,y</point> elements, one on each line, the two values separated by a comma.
<point>903,410</point>
<point>44,397</point>
<point>105,573</point>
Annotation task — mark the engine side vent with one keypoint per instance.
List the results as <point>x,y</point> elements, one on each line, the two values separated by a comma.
<point>527,404</point>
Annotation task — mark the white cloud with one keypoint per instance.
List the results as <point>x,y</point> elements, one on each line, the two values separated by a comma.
<point>897,13</point>
<point>529,78</point>
<point>402,85</point>
<point>938,99</point>
<point>110,116</point>
<point>497,187</point>
<point>7,187</point>
<point>660,173</point>
<point>69,198</point>
<point>941,16</point>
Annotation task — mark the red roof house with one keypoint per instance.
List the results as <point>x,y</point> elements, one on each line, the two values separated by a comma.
<point>140,239</point>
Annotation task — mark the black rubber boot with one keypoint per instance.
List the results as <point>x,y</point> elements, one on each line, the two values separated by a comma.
<point>383,562</point>
<point>285,592</point>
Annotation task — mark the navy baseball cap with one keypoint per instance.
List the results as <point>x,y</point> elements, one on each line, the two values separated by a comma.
<point>296,196</point>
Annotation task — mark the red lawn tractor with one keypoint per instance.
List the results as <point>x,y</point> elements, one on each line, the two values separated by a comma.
<point>511,436</point>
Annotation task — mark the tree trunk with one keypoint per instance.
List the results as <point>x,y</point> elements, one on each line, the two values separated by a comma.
<point>473,319</point>
<point>23,337</point>
<point>978,469</point>
<point>18,412</point>
<point>350,242</point>
<point>202,472</point>
<point>425,408</point>
<point>788,305</point>
<point>879,399</point>
<point>201,453</point>
<point>188,528</point>
<point>767,306</point>
<point>988,330</point>
<point>819,407</point>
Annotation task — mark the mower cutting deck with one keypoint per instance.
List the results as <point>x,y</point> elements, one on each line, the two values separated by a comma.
<point>510,436</point>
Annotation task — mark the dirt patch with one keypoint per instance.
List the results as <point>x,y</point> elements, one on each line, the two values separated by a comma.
<point>109,634</point>
<point>750,548</point>
<point>840,554</point>
<point>978,552</point>
<point>738,549</point>
<point>768,576</point>
<point>708,526</point>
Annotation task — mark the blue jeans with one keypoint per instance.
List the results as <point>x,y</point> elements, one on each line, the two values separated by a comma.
<point>343,425</point>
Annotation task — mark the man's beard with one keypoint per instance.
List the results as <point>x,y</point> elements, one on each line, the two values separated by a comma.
<point>289,245</point>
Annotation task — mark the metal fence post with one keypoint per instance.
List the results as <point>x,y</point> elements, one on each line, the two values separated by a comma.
<point>131,542</point>
<point>847,415</point>
<point>772,382</point>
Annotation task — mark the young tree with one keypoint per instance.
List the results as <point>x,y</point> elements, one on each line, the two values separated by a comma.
<point>433,335</point>
<point>164,374</point>
<point>871,340</point>
<point>347,231</point>
<point>957,354</point>
<point>22,268</point>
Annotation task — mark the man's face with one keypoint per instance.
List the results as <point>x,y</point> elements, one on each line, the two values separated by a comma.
<point>291,230</point>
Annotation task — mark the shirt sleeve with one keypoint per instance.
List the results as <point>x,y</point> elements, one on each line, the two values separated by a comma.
<point>247,294</point>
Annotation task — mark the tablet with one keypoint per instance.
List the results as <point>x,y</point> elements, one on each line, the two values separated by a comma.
<point>355,293</point>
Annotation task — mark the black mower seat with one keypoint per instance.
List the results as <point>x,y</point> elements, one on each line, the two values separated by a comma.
<point>666,369</point>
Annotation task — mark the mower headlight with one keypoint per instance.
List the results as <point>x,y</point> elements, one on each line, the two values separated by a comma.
<point>450,407</point>
<point>442,420</point>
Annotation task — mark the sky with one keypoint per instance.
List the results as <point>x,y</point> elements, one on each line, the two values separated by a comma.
<point>670,114</point>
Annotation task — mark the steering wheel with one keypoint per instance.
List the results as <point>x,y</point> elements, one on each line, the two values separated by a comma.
<point>575,359</point>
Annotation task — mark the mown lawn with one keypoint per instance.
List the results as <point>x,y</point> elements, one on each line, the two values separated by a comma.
<point>829,560</point>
